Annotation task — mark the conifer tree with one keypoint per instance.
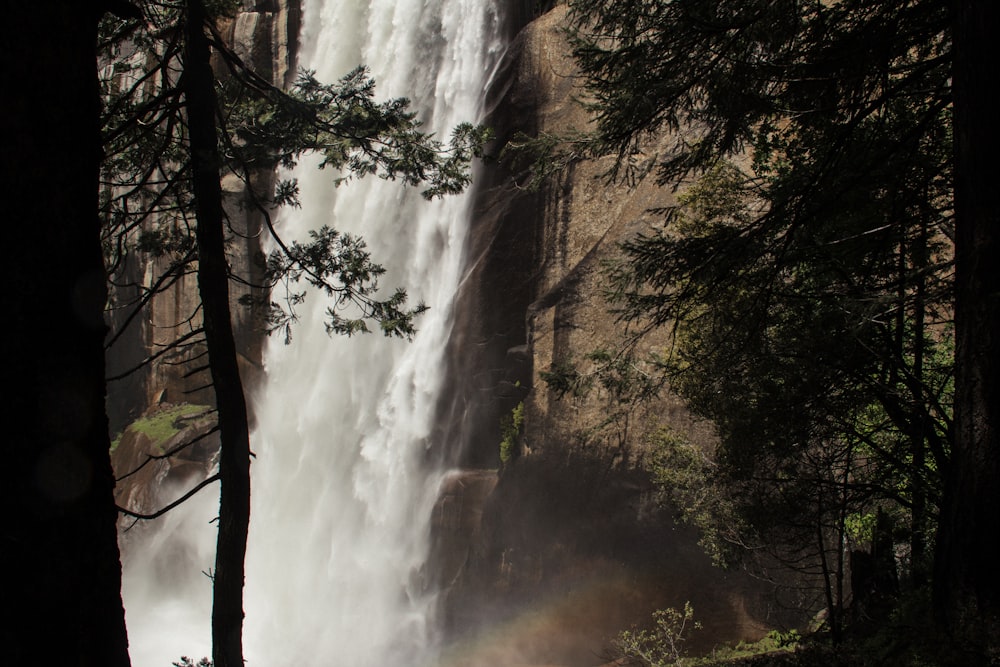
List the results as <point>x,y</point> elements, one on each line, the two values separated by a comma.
<point>828,254</point>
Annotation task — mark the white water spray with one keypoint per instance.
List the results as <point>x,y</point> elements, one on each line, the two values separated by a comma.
<point>342,490</point>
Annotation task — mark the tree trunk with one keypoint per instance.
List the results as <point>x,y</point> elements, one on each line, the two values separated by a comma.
<point>213,284</point>
<point>967,579</point>
<point>62,574</point>
<point>920,425</point>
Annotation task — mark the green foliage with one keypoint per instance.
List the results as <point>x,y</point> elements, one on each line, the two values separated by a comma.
<point>773,649</point>
<point>786,640</point>
<point>730,75</point>
<point>663,646</point>
<point>510,432</point>
<point>340,266</point>
<point>354,134</point>
<point>689,480</point>
<point>909,638</point>
<point>563,378</point>
<point>805,272</point>
<point>802,351</point>
<point>860,526</point>
<point>547,154</point>
<point>146,196</point>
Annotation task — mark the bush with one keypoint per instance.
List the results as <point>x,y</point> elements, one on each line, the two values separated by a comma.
<point>663,645</point>
<point>510,431</point>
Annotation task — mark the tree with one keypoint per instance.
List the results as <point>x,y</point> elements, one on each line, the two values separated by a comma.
<point>213,286</point>
<point>177,129</point>
<point>840,119</point>
<point>847,348</point>
<point>967,587</point>
<point>62,600</point>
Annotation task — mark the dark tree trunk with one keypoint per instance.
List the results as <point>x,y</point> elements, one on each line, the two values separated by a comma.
<point>213,284</point>
<point>967,579</point>
<point>921,424</point>
<point>62,574</point>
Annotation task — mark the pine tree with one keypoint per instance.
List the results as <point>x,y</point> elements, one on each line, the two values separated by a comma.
<point>828,254</point>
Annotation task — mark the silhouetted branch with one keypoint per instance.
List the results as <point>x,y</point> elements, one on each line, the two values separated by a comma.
<point>160,512</point>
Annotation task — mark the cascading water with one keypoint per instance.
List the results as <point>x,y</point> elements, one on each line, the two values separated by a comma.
<point>343,490</point>
<point>343,494</point>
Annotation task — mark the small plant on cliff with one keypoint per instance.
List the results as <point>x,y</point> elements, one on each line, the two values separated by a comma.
<point>510,431</point>
<point>664,644</point>
<point>116,440</point>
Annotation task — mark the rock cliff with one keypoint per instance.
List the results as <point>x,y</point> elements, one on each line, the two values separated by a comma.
<point>570,545</point>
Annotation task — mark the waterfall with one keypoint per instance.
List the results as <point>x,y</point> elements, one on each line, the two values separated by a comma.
<point>344,479</point>
<point>343,493</point>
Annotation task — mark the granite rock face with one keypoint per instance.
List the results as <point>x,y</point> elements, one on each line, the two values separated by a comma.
<point>571,534</point>
<point>139,457</point>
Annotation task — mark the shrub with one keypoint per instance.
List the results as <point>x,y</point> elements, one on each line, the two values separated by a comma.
<point>663,645</point>
<point>510,431</point>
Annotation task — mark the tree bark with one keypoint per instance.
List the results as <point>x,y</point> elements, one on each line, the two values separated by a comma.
<point>967,579</point>
<point>61,585</point>
<point>213,285</point>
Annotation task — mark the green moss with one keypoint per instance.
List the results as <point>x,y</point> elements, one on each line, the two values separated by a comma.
<point>164,424</point>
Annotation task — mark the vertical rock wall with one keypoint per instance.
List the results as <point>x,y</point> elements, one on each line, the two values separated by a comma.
<point>570,532</point>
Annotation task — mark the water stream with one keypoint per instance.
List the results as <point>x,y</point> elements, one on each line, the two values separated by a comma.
<point>343,483</point>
